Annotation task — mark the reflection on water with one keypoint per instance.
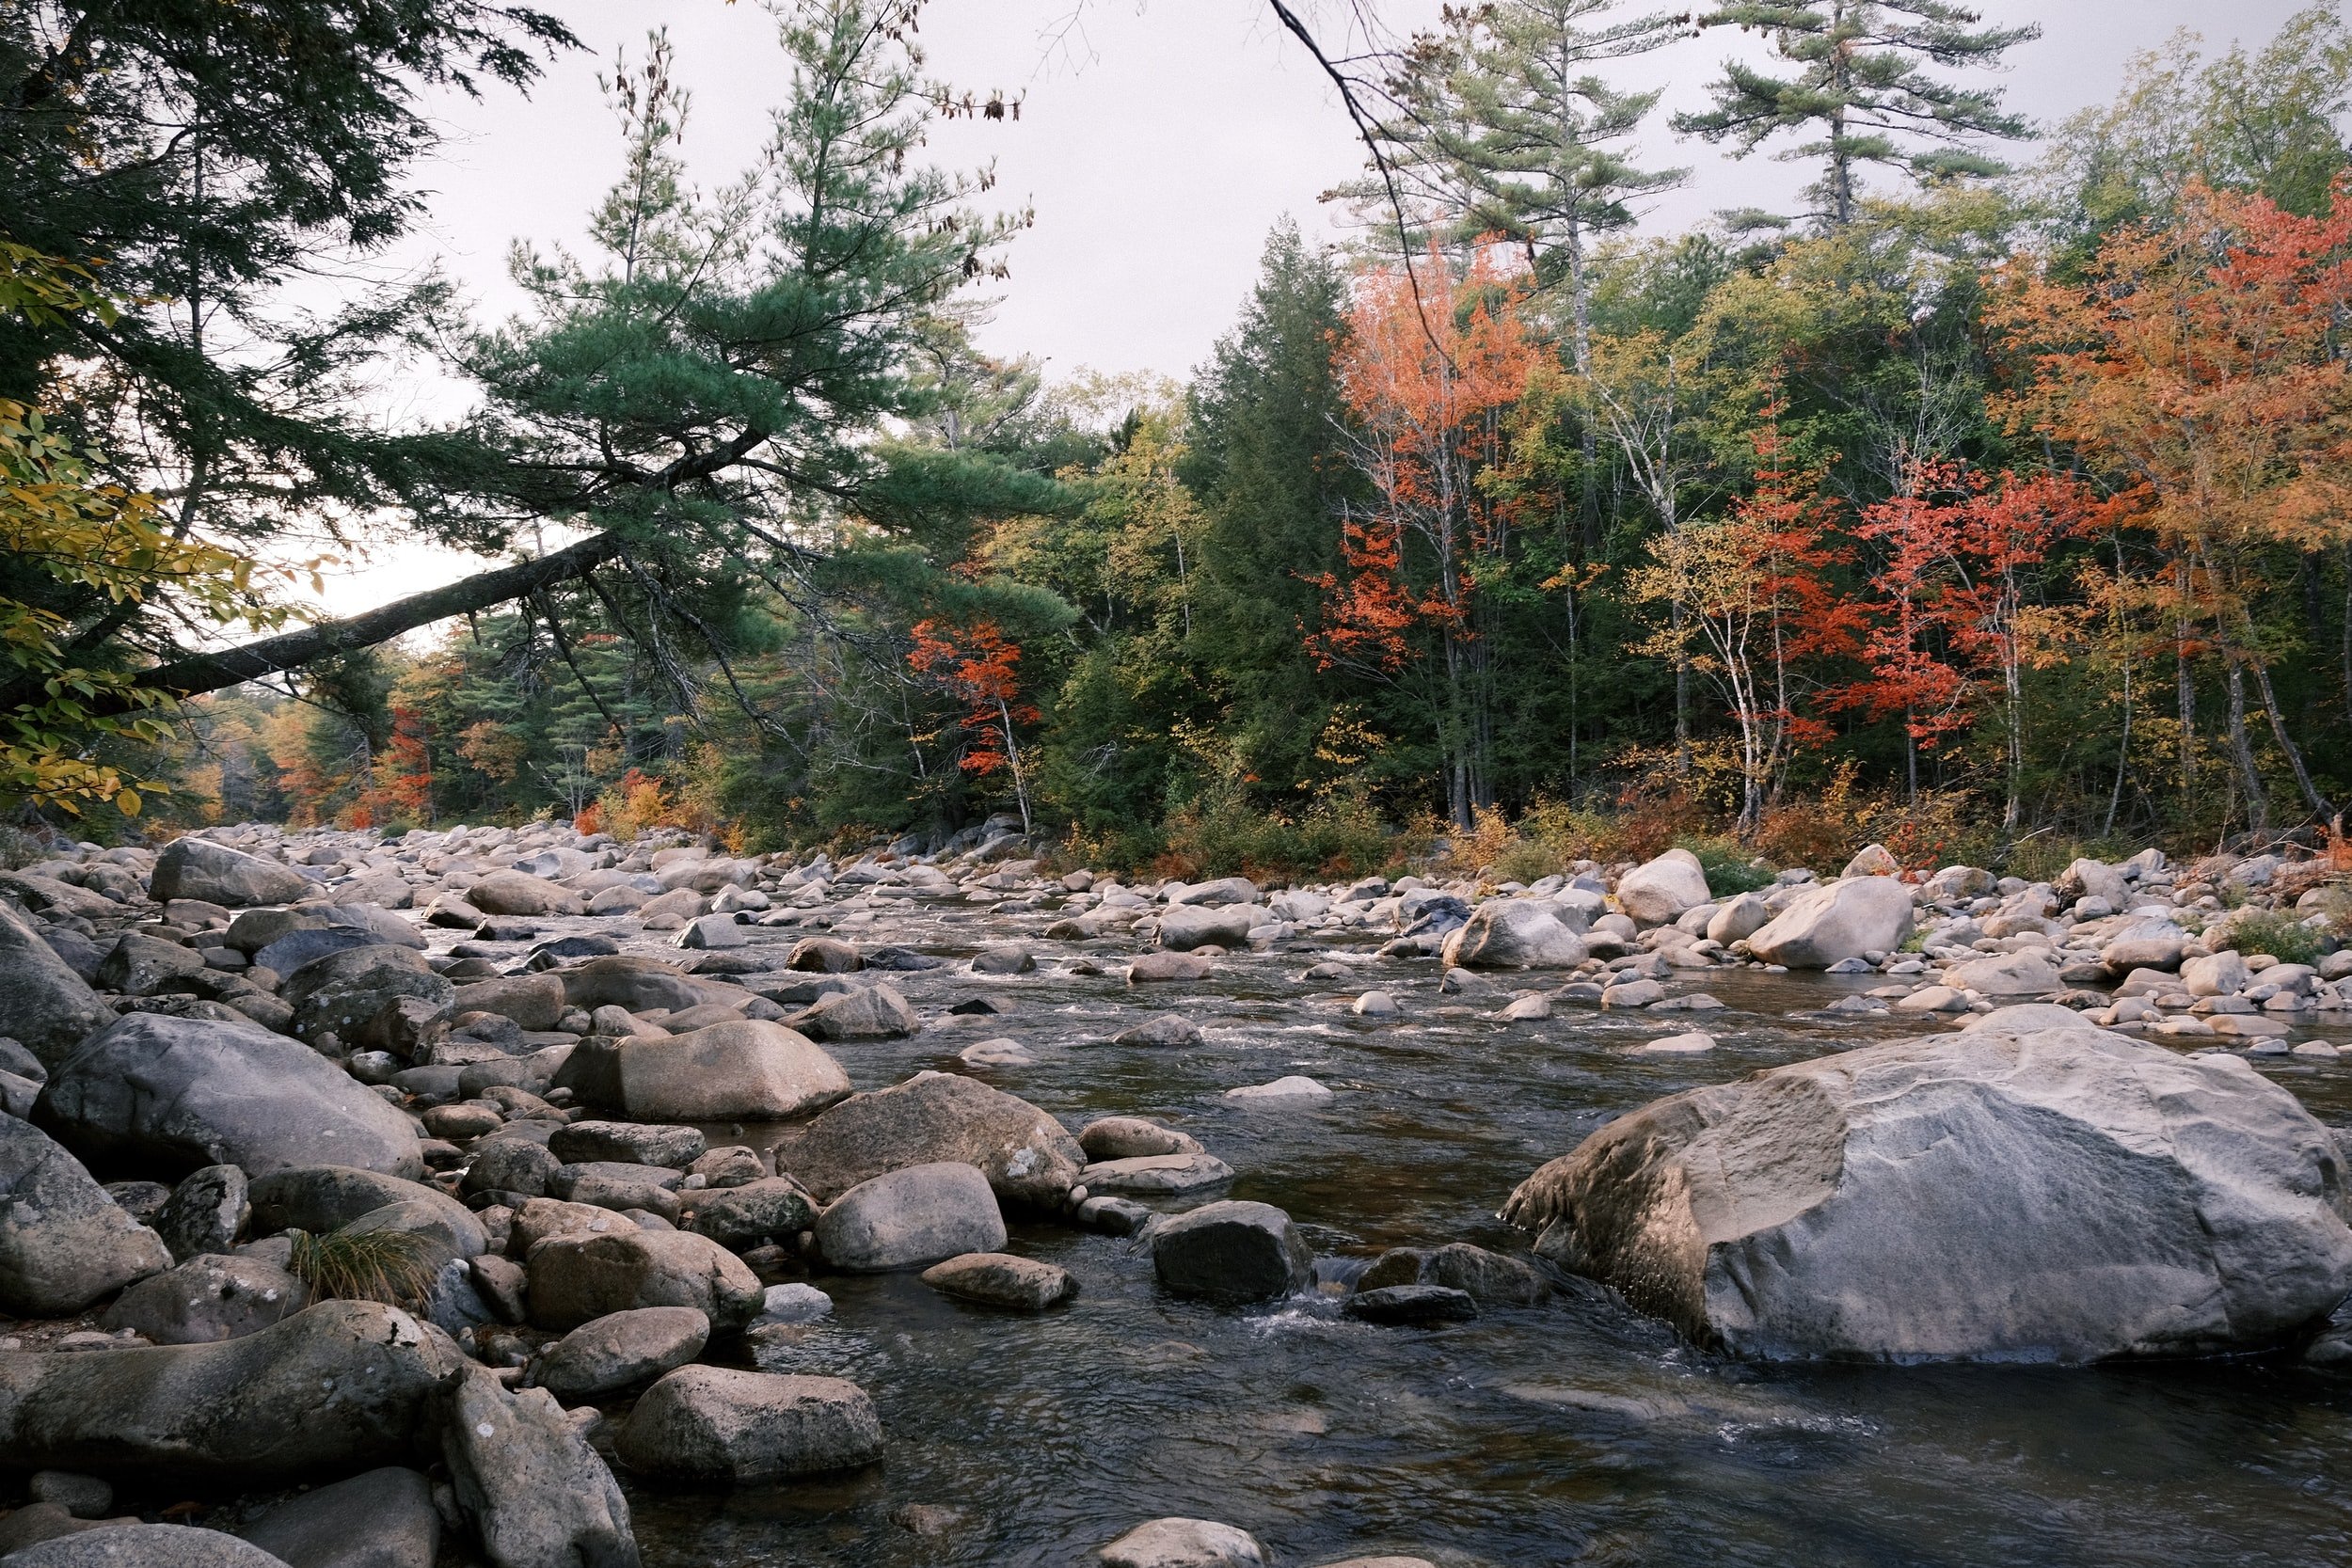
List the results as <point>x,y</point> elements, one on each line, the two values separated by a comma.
<point>1577,1433</point>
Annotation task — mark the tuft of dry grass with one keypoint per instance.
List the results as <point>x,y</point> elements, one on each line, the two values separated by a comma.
<point>390,1266</point>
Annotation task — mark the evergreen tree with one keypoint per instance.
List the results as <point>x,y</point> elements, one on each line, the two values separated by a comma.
<point>1863,79</point>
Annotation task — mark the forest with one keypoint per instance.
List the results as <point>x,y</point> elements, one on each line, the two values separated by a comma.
<point>1996,507</point>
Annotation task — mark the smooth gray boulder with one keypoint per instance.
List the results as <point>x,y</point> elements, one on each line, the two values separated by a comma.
<point>1231,1253</point>
<point>64,1242</point>
<point>338,1387</point>
<point>641,984</point>
<point>382,1519</point>
<point>1001,1279</point>
<point>537,1494</point>
<point>138,1545</point>
<point>518,893</point>
<point>1191,926</point>
<point>875,1012</point>
<point>207,1299</point>
<point>43,1003</point>
<point>320,1198</point>
<point>140,965</point>
<point>621,1350</point>
<point>745,1070</point>
<point>194,867</point>
<point>1658,891</point>
<point>343,992</point>
<point>1513,933</point>
<point>906,1218</point>
<point>159,1096</point>
<point>722,1424</point>
<point>1835,922</point>
<point>2053,1193</point>
<point>1028,1157</point>
<point>745,1215</point>
<point>576,1279</point>
<point>2028,973</point>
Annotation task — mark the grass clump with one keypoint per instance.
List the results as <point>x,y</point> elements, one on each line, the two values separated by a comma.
<point>394,1267</point>
<point>1731,870</point>
<point>2275,932</point>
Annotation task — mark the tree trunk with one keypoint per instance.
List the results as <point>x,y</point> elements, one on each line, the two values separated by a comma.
<point>2257,804</point>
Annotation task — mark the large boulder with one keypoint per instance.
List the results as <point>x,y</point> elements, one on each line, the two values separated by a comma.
<point>1191,926</point>
<point>342,991</point>
<point>320,1198</point>
<point>1835,922</point>
<point>1514,933</point>
<point>905,1219</point>
<point>1028,1157</point>
<point>141,1545</point>
<point>210,1297</point>
<point>1231,1253</point>
<point>642,984</point>
<point>43,1003</point>
<point>199,868</point>
<point>533,1001</point>
<point>160,1097</point>
<point>2027,974</point>
<point>382,1519</point>
<point>1658,890</point>
<point>2060,1193</point>
<point>537,1494</point>
<point>1184,1544</point>
<point>621,1350</point>
<point>723,1424</point>
<point>743,1070</point>
<point>865,1013</point>
<point>580,1277</point>
<point>142,965</point>
<point>2090,879</point>
<point>337,1387</point>
<point>518,893</point>
<point>64,1242</point>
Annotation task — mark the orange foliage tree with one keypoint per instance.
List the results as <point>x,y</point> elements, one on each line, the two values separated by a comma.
<point>1430,377</point>
<point>980,668</point>
<point>404,771</point>
<point>2198,370</point>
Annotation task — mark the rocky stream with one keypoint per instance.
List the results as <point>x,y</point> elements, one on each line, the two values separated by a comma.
<point>506,1196</point>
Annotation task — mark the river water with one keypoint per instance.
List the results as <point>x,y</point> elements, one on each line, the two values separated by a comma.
<point>1574,1433</point>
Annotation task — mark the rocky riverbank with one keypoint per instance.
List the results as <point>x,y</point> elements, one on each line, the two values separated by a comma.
<point>590,1113</point>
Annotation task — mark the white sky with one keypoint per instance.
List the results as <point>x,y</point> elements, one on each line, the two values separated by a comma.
<point>1159,140</point>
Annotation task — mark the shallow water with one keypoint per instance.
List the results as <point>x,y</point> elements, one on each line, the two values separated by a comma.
<point>1577,1433</point>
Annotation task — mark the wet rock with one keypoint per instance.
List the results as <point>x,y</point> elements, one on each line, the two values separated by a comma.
<point>382,1519</point>
<point>1295,1089</point>
<point>511,1165</point>
<point>1948,1197</point>
<point>1156,1174</point>
<point>638,1143</point>
<point>824,956</point>
<point>193,867</point>
<point>577,1279</point>
<point>1375,1004</point>
<point>1026,1156</point>
<point>620,1351</point>
<point>338,1386</point>
<point>910,1217</point>
<point>1231,1253</point>
<point>1658,890</point>
<point>1514,933</point>
<point>743,1217</point>
<point>1001,1279</point>
<point>1133,1137</point>
<point>206,1212</point>
<point>1696,1043</point>
<point>1489,1279</point>
<point>207,1299</point>
<point>793,1303</point>
<point>537,1494</point>
<point>1526,1010</point>
<point>1184,1544</point>
<point>1411,1305</point>
<point>1836,921</point>
<point>720,1424</point>
<point>867,1013</point>
<point>748,1071</point>
<point>133,1545</point>
<point>995,1054</point>
<point>1158,968</point>
<point>1007,958</point>
<point>1186,927</point>
<point>616,1185</point>
<point>1114,1216</point>
<point>1164,1029</point>
<point>64,1242</point>
<point>43,1003</point>
<point>83,1497</point>
<point>157,1094</point>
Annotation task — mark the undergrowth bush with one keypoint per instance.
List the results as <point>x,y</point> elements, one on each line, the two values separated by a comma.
<point>1731,867</point>
<point>2277,932</point>
<point>1224,835</point>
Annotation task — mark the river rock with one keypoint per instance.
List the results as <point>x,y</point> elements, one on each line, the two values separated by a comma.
<point>192,867</point>
<point>770,1208</point>
<point>909,1217</point>
<point>382,1519</point>
<point>1739,919</point>
<point>1402,1306</point>
<point>1130,1137</point>
<point>1191,926</point>
<point>1165,1029</point>
<point>1027,1156</point>
<point>141,965</point>
<point>1486,1277</point>
<point>533,1001</point>
<point>2026,974</point>
<point>1231,1253</point>
<point>1656,892</point>
<point>343,992</point>
<point>722,1424</point>
<point>537,1494</point>
<point>133,1545</point>
<point>1001,1279</point>
<point>867,1013</point>
<point>64,1242</point>
<point>338,1386</point>
<point>2059,1193</point>
<point>824,956</point>
<point>2090,879</point>
<point>1185,1543</point>
<point>642,984</point>
<point>1836,921</point>
<point>748,1070</point>
<point>621,1350</point>
<point>518,893</point>
<point>154,1095</point>
<point>1152,968</point>
<point>1156,1174</point>
<point>206,1212</point>
<point>1514,933</point>
<point>639,1143</point>
<point>2223,974</point>
<point>577,1279</point>
<point>43,1003</point>
<point>207,1299</point>
<point>320,1198</point>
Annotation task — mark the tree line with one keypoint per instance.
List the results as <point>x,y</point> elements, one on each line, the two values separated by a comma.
<point>1992,497</point>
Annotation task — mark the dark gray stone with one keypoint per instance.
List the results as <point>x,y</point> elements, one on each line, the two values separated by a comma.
<point>1231,1253</point>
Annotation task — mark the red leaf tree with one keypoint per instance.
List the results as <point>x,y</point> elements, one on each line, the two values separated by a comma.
<point>979,669</point>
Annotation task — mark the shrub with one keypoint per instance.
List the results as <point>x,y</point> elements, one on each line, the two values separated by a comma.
<point>390,1266</point>
<point>1222,834</point>
<point>1527,860</point>
<point>1730,868</point>
<point>2277,932</point>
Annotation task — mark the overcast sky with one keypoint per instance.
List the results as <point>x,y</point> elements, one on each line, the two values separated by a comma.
<point>1158,141</point>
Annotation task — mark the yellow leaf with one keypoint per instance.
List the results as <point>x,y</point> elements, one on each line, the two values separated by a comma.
<point>128,802</point>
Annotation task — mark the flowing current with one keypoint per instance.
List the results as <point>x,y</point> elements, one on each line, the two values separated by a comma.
<point>1574,1433</point>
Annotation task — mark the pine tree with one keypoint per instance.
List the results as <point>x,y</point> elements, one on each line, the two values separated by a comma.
<point>1862,77</point>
